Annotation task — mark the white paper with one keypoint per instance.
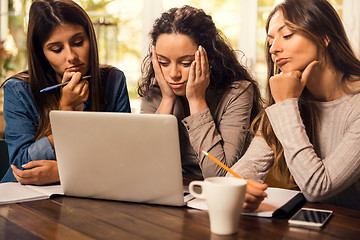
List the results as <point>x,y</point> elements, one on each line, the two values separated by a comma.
<point>13,192</point>
<point>48,190</point>
<point>277,197</point>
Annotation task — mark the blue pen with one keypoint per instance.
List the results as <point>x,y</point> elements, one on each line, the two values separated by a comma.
<point>61,84</point>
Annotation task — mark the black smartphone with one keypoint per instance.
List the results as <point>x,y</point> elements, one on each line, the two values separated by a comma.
<point>310,217</point>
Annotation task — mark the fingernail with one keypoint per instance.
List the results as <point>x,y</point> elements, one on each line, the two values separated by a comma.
<point>200,48</point>
<point>197,53</point>
<point>24,165</point>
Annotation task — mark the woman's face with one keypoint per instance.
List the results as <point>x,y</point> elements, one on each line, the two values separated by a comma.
<point>175,54</point>
<point>290,50</point>
<point>67,49</point>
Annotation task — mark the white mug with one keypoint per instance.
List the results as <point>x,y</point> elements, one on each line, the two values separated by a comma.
<point>225,198</point>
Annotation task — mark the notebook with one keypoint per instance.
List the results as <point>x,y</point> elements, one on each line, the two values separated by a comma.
<point>119,156</point>
<point>280,203</point>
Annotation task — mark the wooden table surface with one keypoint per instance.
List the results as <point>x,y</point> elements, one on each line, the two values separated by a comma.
<point>80,218</point>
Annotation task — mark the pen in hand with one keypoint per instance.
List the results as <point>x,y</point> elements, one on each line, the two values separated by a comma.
<point>61,84</point>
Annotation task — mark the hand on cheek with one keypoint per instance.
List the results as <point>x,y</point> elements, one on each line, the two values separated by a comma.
<point>168,95</point>
<point>166,90</point>
<point>290,84</point>
<point>198,81</point>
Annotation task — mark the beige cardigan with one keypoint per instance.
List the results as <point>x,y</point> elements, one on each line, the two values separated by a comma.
<point>221,129</point>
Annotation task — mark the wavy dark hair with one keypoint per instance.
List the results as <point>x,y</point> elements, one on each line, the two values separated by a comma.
<point>319,21</point>
<point>44,16</point>
<point>195,23</point>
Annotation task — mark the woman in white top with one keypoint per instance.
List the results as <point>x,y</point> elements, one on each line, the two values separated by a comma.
<point>310,129</point>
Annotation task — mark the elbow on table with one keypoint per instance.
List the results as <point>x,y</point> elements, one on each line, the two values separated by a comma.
<point>317,194</point>
<point>313,197</point>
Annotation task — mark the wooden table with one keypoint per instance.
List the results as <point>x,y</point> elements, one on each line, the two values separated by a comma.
<point>79,218</point>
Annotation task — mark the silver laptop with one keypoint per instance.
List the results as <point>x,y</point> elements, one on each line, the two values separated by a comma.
<point>119,156</point>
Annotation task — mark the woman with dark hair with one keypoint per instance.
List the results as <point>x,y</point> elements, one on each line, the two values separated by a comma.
<point>192,73</point>
<point>62,47</point>
<point>309,132</point>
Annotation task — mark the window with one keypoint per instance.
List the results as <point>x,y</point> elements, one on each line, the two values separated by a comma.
<point>122,29</point>
<point>123,26</point>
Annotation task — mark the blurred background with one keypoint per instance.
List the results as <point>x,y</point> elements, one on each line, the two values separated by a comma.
<point>122,29</point>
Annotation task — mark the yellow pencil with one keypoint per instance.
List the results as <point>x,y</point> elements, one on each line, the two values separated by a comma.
<point>223,165</point>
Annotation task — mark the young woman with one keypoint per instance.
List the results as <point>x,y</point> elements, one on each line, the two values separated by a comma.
<point>192,73</point>
<point>310,129</point>
<point>61,47</point>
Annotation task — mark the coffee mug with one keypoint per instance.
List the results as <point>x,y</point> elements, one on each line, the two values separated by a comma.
<point>225,198</point>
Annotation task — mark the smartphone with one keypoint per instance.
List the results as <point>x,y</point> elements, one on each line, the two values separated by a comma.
<point>310,217</point>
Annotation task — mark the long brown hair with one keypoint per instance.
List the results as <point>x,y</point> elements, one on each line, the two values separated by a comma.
<point>319,21</point>
<point>44,16</point>
<point>195,23</point>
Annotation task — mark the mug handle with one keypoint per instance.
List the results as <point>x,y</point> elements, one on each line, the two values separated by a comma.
<point>192,191</point>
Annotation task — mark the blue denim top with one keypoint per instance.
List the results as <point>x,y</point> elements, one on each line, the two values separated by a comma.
<point>22,119</point>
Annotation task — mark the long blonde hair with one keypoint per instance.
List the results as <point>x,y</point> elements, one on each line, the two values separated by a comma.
<point>318,20</point>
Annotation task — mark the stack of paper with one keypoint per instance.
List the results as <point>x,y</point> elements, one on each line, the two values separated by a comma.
<point>15,192</point>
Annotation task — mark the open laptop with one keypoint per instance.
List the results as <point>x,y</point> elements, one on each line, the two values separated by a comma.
<point>119,156</point>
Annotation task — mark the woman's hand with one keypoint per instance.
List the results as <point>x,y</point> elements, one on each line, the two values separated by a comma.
<point>198,81</point>
<point>168,96</point>
<point>255,194</point>
<point>37,172</point>
<point>75,93</point>
<point>291,84</point>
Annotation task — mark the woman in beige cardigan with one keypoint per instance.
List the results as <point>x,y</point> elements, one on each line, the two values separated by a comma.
<point>192,73</point>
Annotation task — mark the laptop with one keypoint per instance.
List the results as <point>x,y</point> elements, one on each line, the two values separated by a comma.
<point>119,156</point>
